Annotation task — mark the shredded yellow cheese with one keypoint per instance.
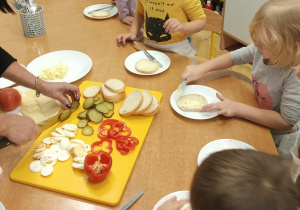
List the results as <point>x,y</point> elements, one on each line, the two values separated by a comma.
<point>57,72</point>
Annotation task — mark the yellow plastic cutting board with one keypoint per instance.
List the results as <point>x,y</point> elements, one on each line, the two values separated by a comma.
<point>67,180</point>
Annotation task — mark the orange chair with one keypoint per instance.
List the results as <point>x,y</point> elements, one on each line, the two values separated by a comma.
<point>213,24</point>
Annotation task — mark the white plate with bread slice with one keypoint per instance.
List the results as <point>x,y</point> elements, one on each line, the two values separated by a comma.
<point>181,195</point>
<point>208,93</point>
<point>145,68</point>
<point>100,11</point>
<point>219,145</point>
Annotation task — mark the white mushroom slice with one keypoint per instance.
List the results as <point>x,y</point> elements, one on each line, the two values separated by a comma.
<point>49,155</point>
<point>79,159</point>
<point>38,155</point>
<point>63,155</point>
<point>47,140</point>
<point>47,170</point>
<point>40,148</point>
<point>70,127</point>
<point>78,165</point>
<point>59,138</point>
<point>60,131</point>
<point>54,134</point>
<point>55,147</point>
<point>70,134</point>
<point>64,143</point>
<point>36,166</point>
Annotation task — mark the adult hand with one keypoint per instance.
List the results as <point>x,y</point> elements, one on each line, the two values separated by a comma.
<point>173,25</point>
<point>173,204</point>
<point>225,107</point>
<point>127,20</point>
<point>60,91</point>
<point>18,129</point>
<point>192,73</point>
<point>122,38</point>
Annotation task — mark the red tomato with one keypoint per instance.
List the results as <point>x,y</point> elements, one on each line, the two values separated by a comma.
<point>10,99</point>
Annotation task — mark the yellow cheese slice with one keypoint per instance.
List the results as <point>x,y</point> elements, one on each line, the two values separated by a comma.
<point>36,115</point>
<point>31,108</point>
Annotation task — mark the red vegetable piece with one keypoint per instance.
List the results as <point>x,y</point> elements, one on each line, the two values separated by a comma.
<point>100,143</point>
<point>97,166</point>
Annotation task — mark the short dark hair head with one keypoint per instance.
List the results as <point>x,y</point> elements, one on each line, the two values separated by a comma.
<point>243,180</point>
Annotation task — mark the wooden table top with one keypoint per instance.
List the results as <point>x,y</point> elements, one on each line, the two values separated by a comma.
<point>168,157</point>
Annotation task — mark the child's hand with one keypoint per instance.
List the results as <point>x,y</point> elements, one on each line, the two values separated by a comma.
<point>192,73</point>
<point>173,204</point>
<point>173,25</point>
<point>225,107</point>
<point>127,20</point>
<point>121,39</point>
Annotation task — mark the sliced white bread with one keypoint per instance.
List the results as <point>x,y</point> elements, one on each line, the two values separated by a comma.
<point>147,100</point>
<point>191,102</point>
<point>111,96</point>
<point>146,66</point>
<point>153,108</point>
<point>131,103</point>
<point>91,91</point>
<point>115,85</point>
<point>100,14</point>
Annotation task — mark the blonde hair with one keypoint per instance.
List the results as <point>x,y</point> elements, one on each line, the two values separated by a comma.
<point>278,24</point>
<point>243,179</point>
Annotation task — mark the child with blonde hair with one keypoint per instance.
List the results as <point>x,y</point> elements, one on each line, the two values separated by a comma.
<point>167,24</point>
<point>275,58</point>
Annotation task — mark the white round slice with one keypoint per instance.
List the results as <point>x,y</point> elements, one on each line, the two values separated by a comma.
<point>91,91</point>
<point>147,100</point>
<point>191,102</point>
<point>36,166</point>
<point>100,14</point>
<point>115,85</point>
<point>47,170</point>
<point>131,103</point>
<point>64,144</point>
<point>78,165</point>
<point>153,108</point>
<point>146,66</point>
<point>63,155</point>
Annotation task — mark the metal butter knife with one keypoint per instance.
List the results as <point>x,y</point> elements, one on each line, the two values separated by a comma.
<point>134,199</point>
<point>182,85</point>
<point>149,56</point>
<point>104,8</point>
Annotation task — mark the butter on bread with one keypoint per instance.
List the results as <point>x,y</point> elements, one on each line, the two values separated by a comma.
<point>191,102</point>
<point>146,66</point>
<point>100,14</point>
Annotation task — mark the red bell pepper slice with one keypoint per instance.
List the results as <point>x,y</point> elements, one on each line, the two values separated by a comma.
<point>97,166</point>
<point>100,143</point>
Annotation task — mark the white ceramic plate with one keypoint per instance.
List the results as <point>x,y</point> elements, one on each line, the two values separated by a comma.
<point>2,206</point>
<point>219,145</point>
<point>17,110</point>
<point>135,57</point>
<point>112,11</point>
<point>207,92</point>
<point>181,195</point>
<point>4,83</point>
<point>79,64</point>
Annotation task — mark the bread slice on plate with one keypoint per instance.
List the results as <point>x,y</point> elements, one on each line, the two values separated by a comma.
<point>146,66</point>
<point>153,108</point>
<point>191,102</point>
<point>115,85</point>
<point>131,103</point>
<point>147,100</point>
<point>100,14</point>
<point>91,91</point>
<point>111,96</point>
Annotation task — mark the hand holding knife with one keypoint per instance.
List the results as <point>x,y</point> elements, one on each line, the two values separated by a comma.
<point>182,85</point>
